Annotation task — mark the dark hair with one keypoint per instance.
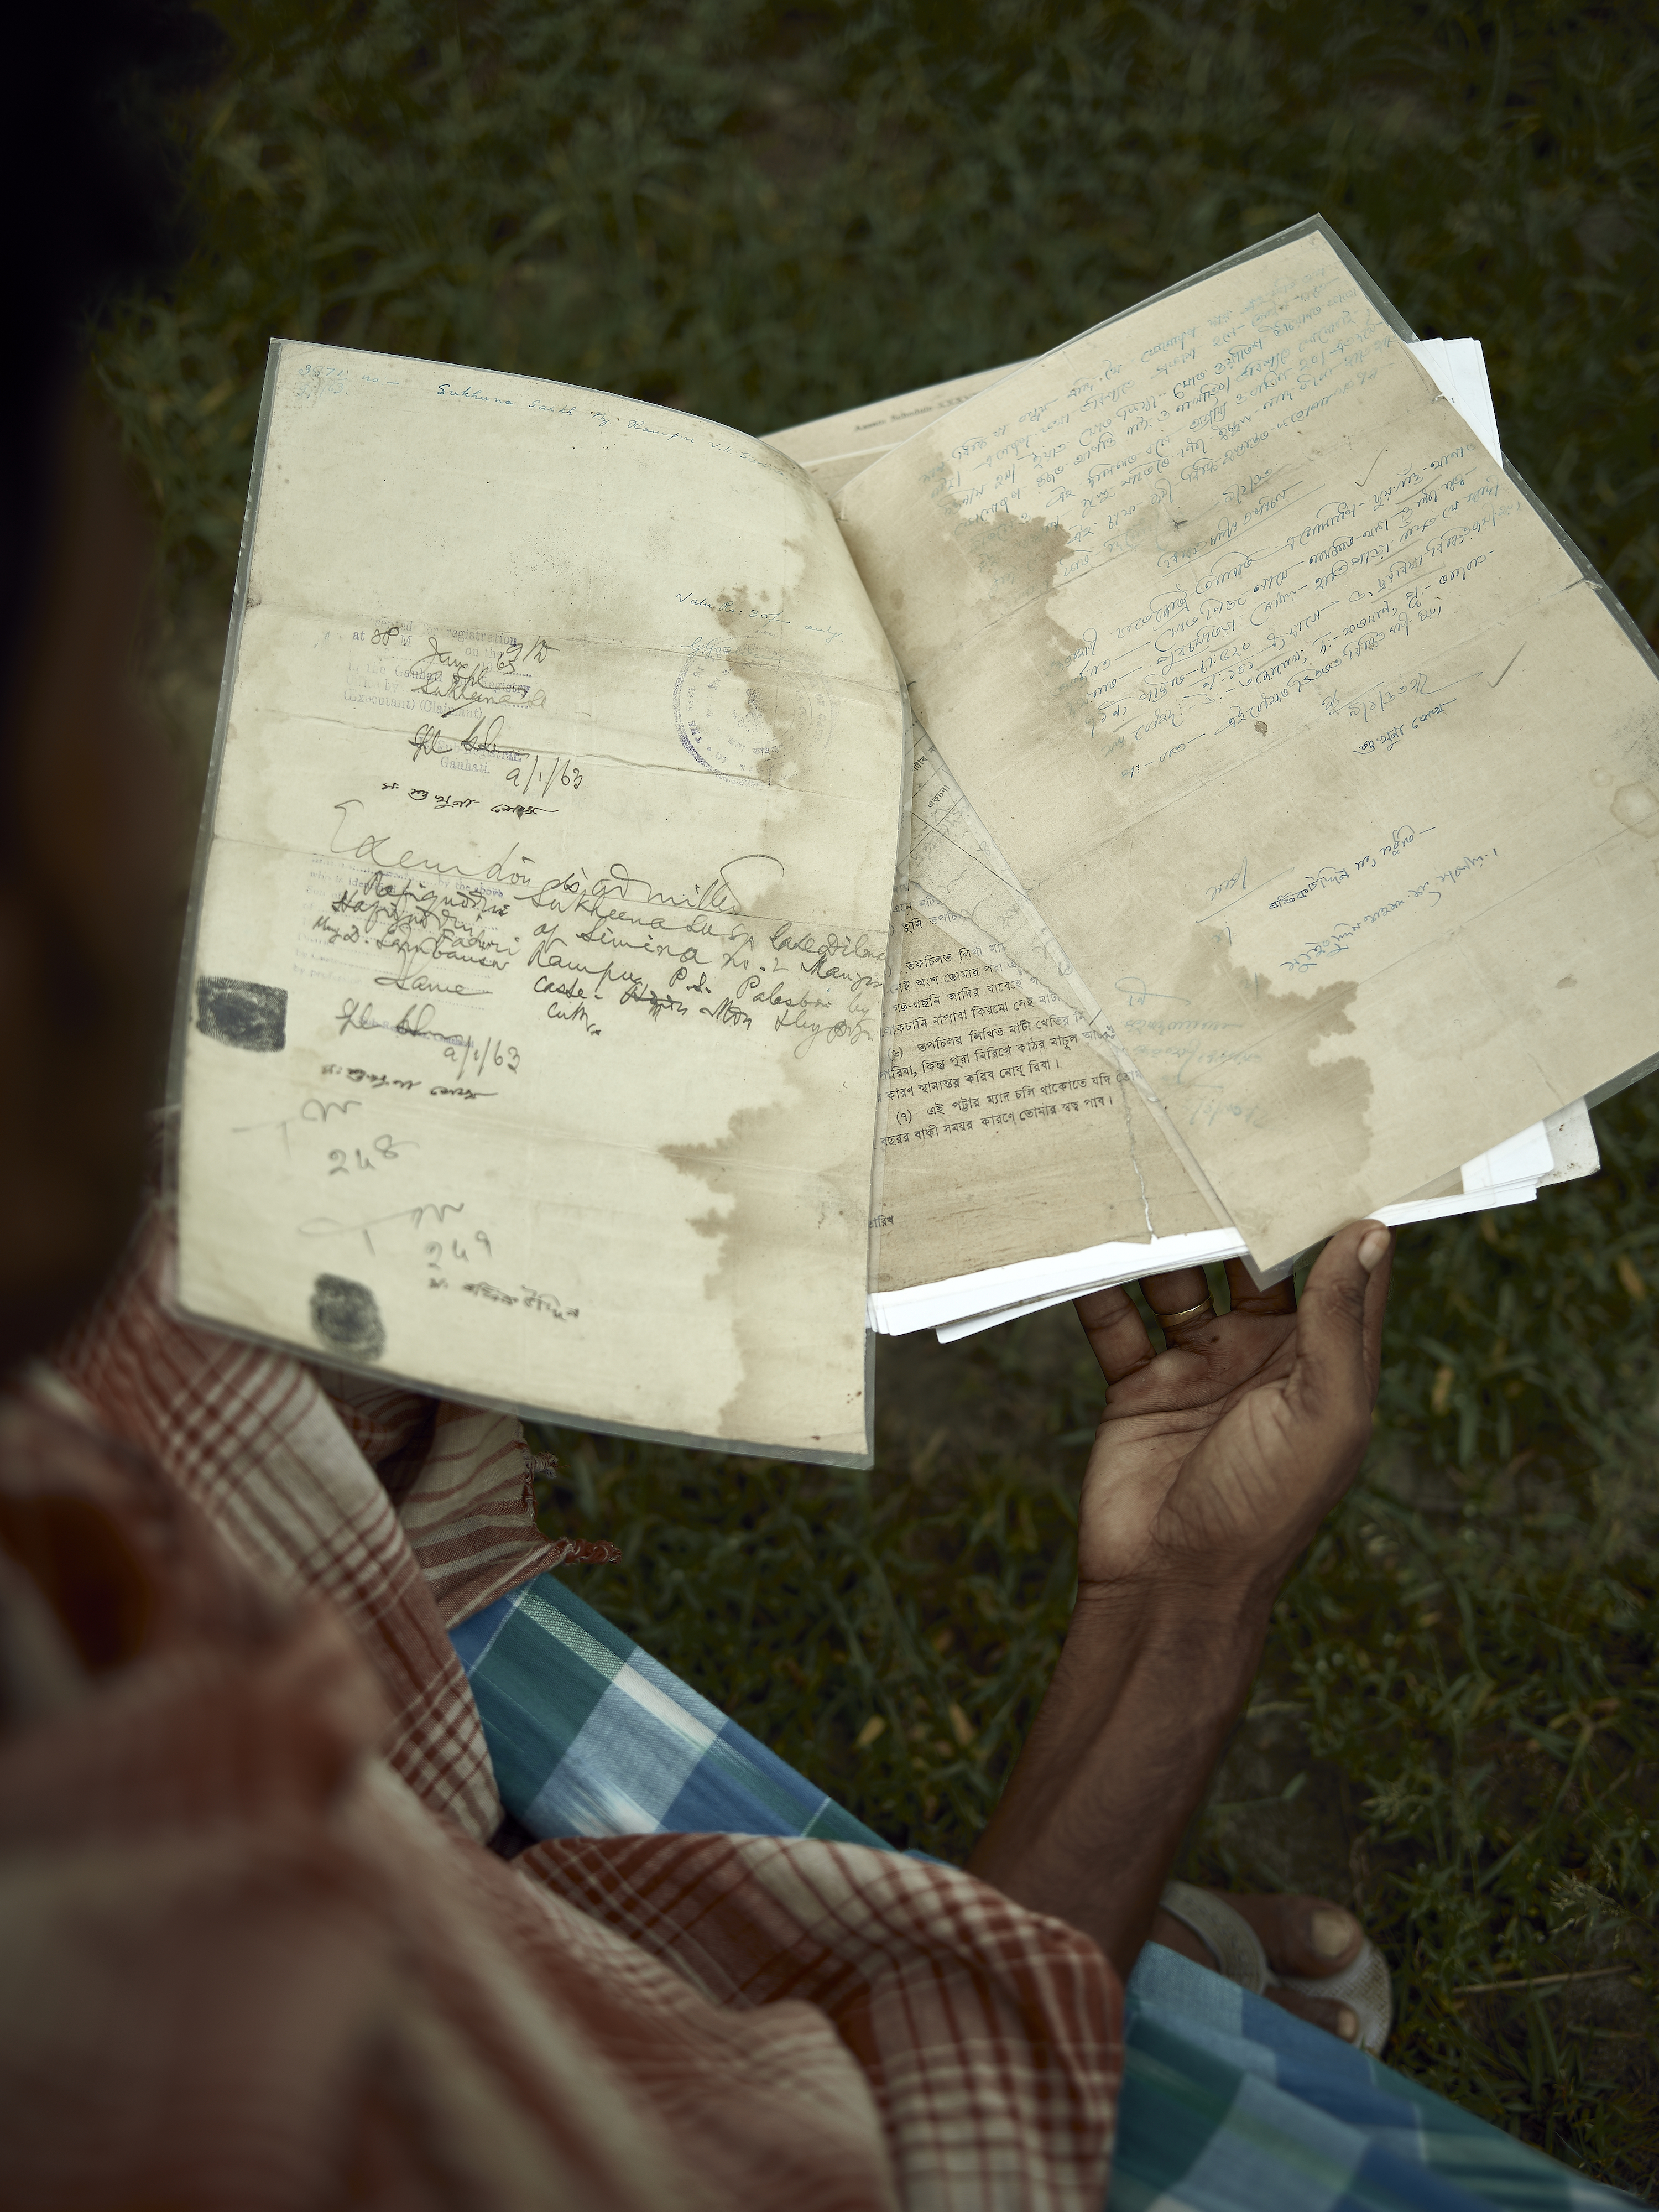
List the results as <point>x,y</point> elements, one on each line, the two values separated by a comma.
<point>93,153</point>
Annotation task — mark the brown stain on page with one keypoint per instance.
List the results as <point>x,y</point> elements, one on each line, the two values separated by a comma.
<point>765,708</point>
<point>1016,561</point>
<point>756,1167</point>
<point>937,587</point>
<point>1004,571</point>
<point>1310,1120</point>
<point>784,686</point>
<point>773,1201</point>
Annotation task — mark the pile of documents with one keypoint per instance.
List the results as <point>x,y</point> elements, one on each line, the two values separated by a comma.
<point>672,903</point>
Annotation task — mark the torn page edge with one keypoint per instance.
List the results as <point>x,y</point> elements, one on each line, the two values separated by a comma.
<point>1573,1148</point>
<point>1458,366</point>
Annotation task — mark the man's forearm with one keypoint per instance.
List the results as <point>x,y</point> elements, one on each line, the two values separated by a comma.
<point>1119,1757</point>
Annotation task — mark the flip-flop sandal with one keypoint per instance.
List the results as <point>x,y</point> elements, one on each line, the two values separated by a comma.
<point>1363,1986</point>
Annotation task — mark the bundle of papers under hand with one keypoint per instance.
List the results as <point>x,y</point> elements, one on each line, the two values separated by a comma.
<point>670,902</point>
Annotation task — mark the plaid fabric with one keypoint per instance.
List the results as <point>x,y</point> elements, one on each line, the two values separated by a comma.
<point>1228,2101</point>
<point>251,1438</point>
<point>460,1480</point>
<point>589,1737</point>
<point>1229,2104</point>
<point>279,1973</point>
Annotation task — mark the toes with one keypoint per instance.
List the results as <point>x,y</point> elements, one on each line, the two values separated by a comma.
<point>1176,1935</point>
<point>1302,1935</point>
<point>1338,2020</point>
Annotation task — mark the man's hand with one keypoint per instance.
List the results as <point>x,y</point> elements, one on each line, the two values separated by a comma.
<point>1214,1462</point>
<point>1216,1458</point>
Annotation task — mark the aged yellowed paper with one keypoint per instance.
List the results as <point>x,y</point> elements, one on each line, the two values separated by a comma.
<point>1302,728</point>
<point>834,448</point>
<point>1007,1136</point>
<point>534,1028</point>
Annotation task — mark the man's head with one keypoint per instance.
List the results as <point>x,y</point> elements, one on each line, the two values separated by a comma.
<point>88,823</point>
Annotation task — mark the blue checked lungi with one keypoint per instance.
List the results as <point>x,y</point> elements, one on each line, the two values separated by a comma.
<point>1229,2104</point>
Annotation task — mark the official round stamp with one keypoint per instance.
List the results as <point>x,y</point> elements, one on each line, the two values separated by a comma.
<point>752,711</point>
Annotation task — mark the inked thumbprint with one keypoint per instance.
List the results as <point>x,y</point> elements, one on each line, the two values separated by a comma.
<point>251,1016</point>
<point>347,1317</point>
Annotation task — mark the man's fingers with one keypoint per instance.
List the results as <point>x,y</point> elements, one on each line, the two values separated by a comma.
<point>1376,1300</point>
<point>1246,1298</point>
<point>1117,1335</point>
<point>1174,1292</point>
<point>1339,1326</point>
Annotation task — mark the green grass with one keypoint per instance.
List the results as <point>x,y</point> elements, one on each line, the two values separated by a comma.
<point>762,214</point>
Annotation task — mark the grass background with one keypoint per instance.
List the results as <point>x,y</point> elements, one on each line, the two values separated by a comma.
<point>763,214</point>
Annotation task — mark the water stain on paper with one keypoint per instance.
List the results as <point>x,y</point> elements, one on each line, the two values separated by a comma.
<point>788,1238</point>
<point>961,574</point>
<point>784,687</point>
<point>756,1170</point>
<point>1308,1114</point>
<point>764,707</point>
<point>1636,807</point>
<point>1018,560</point>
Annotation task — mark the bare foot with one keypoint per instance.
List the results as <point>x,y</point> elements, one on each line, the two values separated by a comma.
<point>1300,1935</point>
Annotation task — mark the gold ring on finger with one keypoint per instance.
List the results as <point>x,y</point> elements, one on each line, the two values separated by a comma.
<point>1204,1311</point>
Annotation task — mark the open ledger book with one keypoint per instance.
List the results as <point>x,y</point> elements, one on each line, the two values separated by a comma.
<point>668,900</point>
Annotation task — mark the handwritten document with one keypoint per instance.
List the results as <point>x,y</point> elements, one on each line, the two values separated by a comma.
<point>836,447</point>
<point>1306,734</point>
<point>538,979</point>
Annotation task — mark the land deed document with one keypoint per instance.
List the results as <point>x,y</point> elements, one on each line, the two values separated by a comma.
<point>1010,1130</point>
<point>1005,1135</point>
<point>1305,732</point>
<point>535,999</point>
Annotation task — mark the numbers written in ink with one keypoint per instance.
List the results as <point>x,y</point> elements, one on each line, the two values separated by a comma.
<point>383,1152</point>
<point>435,1255</point>
<point>536,776</point>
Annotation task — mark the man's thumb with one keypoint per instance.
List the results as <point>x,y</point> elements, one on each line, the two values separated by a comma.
<point>1331,1345</point>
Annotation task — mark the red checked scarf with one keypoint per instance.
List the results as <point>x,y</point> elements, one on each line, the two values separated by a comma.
<point>251,1950</point>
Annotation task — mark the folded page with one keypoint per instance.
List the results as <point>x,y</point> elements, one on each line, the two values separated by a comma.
<point>532,1046</point>
<point>1284,703</point>
<point>1458,366</point>
<point>996,1159</point>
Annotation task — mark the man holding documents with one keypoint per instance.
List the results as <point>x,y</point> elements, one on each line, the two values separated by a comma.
<point>270,1936</point>
<point>244,1886</point>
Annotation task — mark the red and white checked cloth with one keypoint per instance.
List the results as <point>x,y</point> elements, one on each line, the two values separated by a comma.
<point>254,1953</point>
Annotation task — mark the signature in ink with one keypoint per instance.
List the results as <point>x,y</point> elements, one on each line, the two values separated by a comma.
<point>1138,991</point>
<point>412,1217</point>
<point>314,1111</point>
<point>419,983</point>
